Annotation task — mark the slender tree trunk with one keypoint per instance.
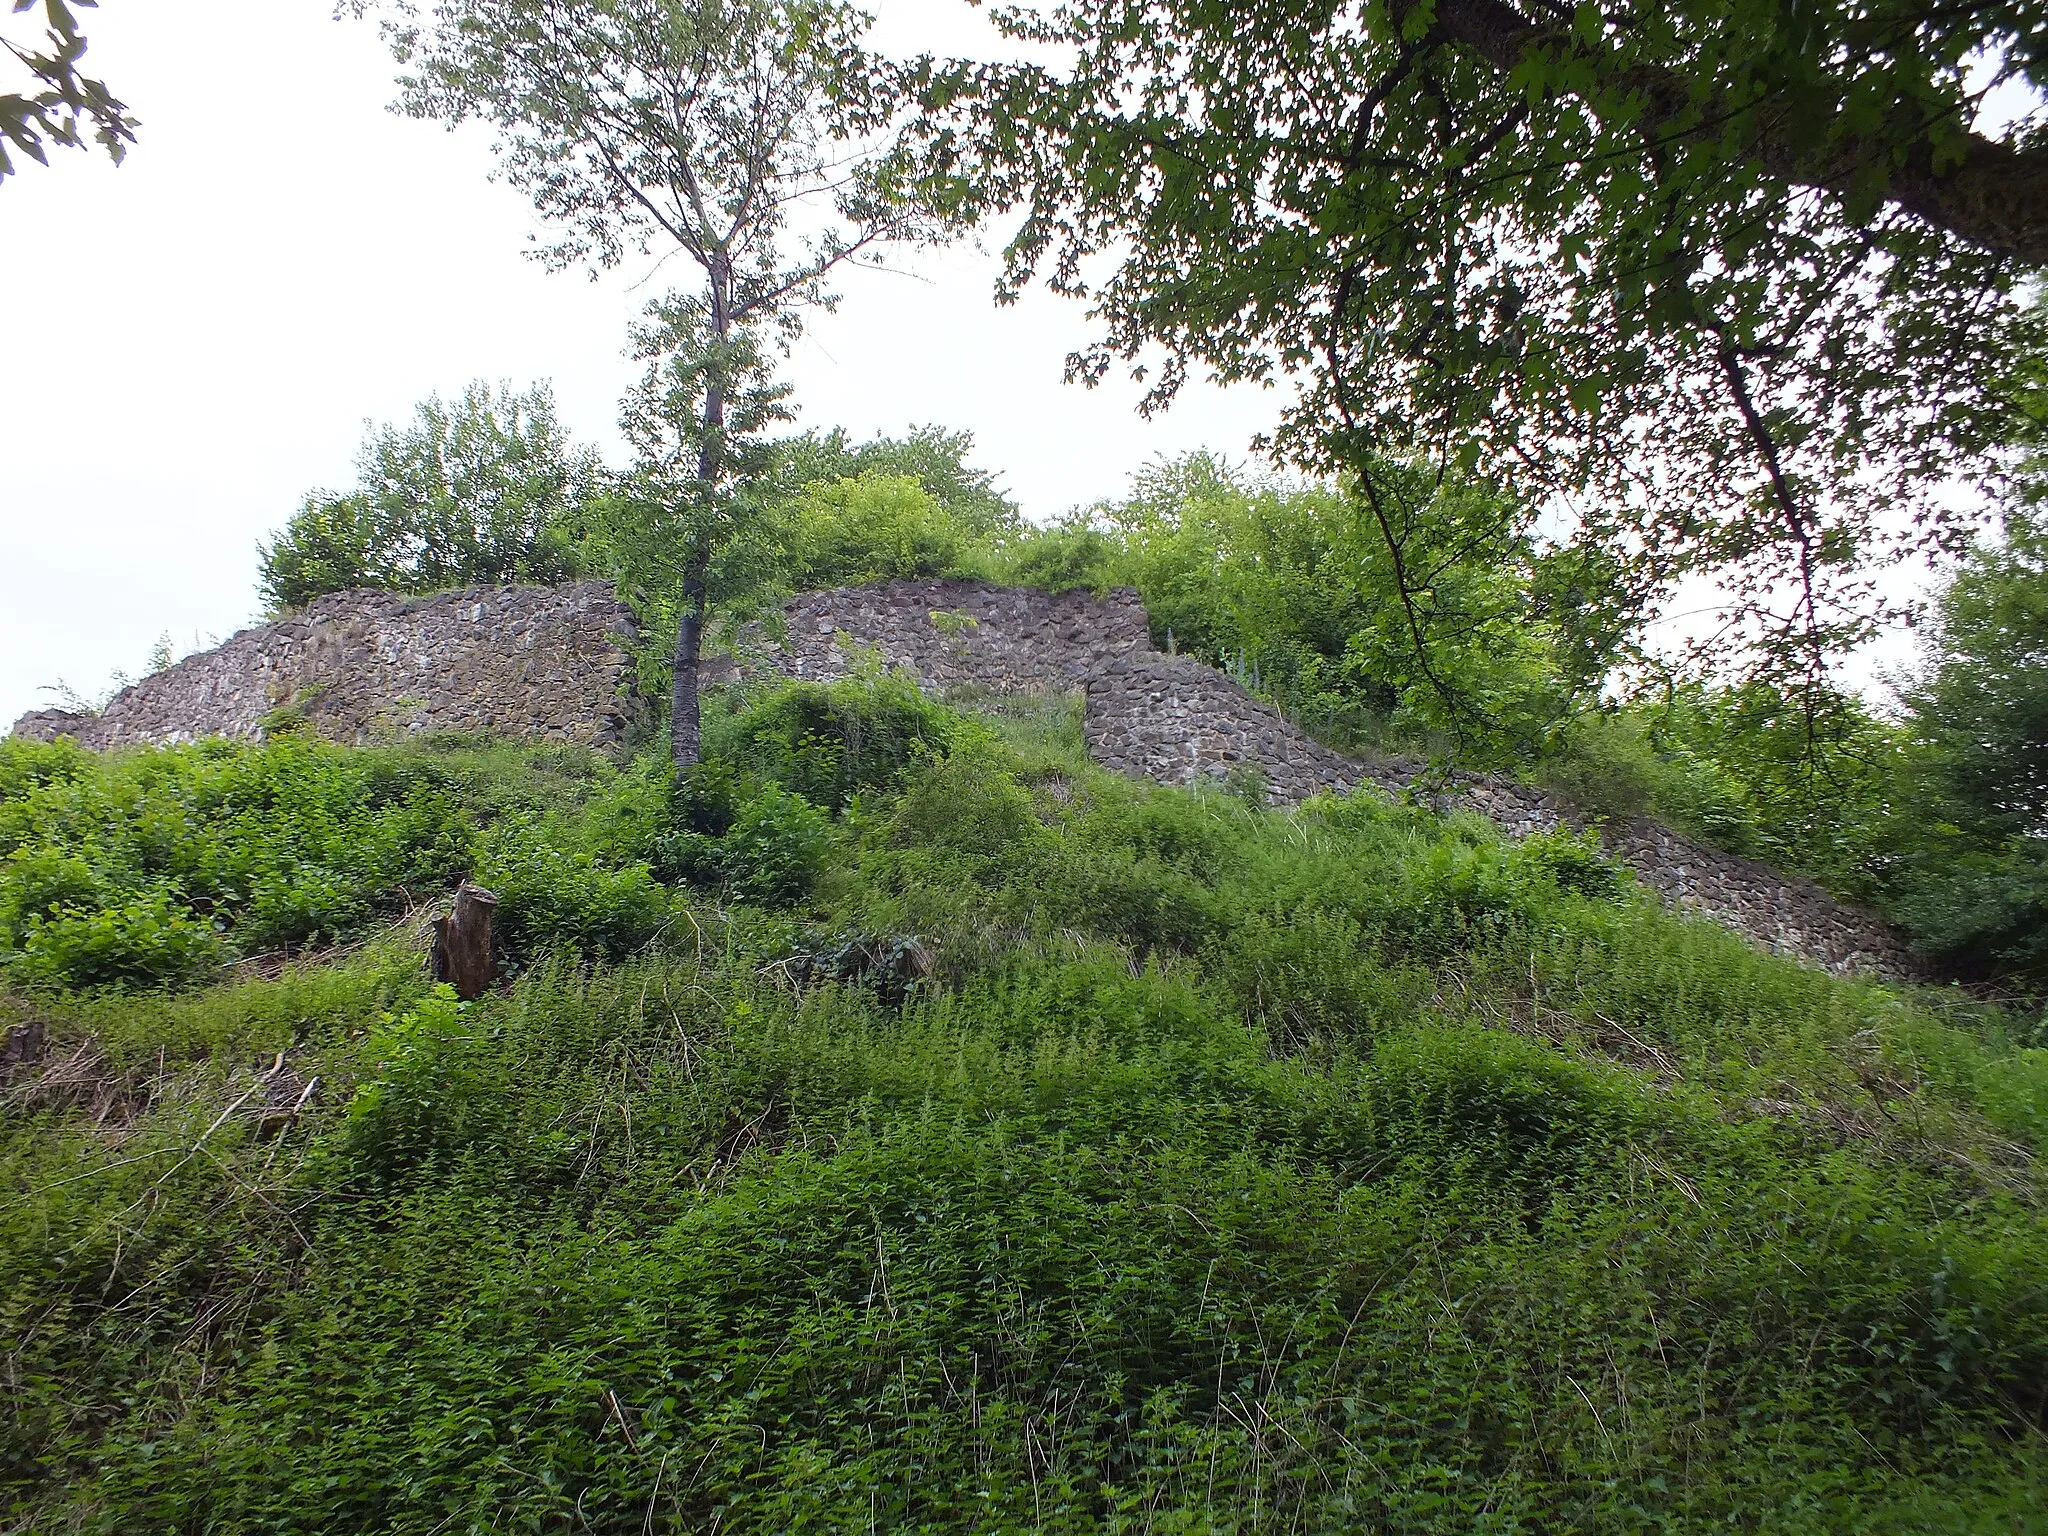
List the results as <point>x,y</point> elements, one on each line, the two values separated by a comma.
<point>685,737</point>
<point>685,734</point>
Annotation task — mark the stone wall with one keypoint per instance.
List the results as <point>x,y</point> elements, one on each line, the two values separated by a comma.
<point>1175,720</point>
<point>361,666</point>
<point>545,662</point>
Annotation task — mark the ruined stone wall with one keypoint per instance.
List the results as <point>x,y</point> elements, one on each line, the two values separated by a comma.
<point>1175,720</point>
<point>545,662</point>
<point>361,666</point>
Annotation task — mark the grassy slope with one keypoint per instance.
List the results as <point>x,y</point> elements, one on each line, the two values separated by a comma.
<point>1345,1170</point>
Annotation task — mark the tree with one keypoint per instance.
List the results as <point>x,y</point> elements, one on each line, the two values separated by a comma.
<point>1980,703</point>
<point>1722,289</point>
<point>701,127</point>
<point>487,489</point>
<point>1976,891</point>
<point>934,457</point>
<point>61,103</point>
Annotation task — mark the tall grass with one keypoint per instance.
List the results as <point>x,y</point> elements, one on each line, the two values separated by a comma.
<point>1228,1171</point>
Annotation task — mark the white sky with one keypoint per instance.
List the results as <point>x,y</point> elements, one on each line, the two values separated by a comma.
<point>195,339</point>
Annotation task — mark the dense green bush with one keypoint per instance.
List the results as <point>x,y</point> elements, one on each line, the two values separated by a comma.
<point>1618,764</point>
<point>551,897</point>
<point>1067,1154</point>
<point>754,814</point>
<point>1974,883</point>
<point>828,742</point>
<point>776,848</point>
<point>144,940</point>
<point>850,532</point>
<point>1073,553</point>
<point>935,459</point>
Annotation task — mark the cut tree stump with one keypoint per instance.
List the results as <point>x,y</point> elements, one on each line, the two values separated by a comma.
<point>462,944</point>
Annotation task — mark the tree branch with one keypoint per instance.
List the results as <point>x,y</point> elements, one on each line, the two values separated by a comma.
<point>1994,196</point>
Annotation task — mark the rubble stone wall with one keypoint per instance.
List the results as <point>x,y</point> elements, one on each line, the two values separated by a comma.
<point>546,663</point>
<point>1175,720</point>
<point>362,666</point>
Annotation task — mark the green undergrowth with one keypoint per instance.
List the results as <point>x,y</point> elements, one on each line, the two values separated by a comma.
<point>1196,1168</point>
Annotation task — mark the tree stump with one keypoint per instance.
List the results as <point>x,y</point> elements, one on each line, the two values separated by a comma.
<point>462,943</point>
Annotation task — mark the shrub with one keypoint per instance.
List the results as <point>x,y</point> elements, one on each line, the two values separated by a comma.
<point>827,742</point>
<point>1137,898</point>
<point>39,882</point>
<point>1069,555</point>
<point>889,968</point>
<point>480,489</point>
<point>144,941</point>
<point>873,527</point>
<point>1604,764</point>
<point>776,848</point>
<point>1571,861</point>
<point>704,797</point>
<point>549,897</point>
<point>1612,765</point>
<point>420,1092</point>
<point>28,765</point>
<point>306,906</point>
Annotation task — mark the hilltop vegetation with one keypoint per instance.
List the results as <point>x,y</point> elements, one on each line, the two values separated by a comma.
<point>1934,812</point>
<point>897,1122</point>
<point>888,1120</point>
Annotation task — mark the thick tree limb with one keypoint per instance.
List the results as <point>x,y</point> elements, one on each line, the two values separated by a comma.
<point>1995,196</point>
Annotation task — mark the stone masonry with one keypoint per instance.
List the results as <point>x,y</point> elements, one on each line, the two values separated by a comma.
<point>1175,720</point>
<point>362,666</point>
<point>546,663</point>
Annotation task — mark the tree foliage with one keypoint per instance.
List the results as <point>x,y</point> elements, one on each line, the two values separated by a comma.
<point>487,488</point>
<point>1978,727</point>
<point>1727,289</point>
<point>699,128</point>
<point>1980,703</point>
<point>60,105</point>
<point>873,527</point>
<point>930,455</point>
<point>1288,585</point>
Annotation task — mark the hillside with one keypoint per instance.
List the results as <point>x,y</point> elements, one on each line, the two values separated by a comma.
<point>898,1122</point>
<point>557,664</point>
<point>1481,970</point>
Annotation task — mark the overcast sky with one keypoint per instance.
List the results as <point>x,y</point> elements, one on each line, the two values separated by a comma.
<point>195,339</point>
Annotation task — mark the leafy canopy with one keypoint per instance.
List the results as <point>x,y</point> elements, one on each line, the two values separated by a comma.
<point>59,104</point>
<point>1727,289</point>
<point>931,455</point>
<point>485,489</point>
<point>1981,701</point>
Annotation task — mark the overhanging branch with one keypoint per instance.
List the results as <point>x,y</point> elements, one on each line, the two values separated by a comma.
<point>1993,196</point>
